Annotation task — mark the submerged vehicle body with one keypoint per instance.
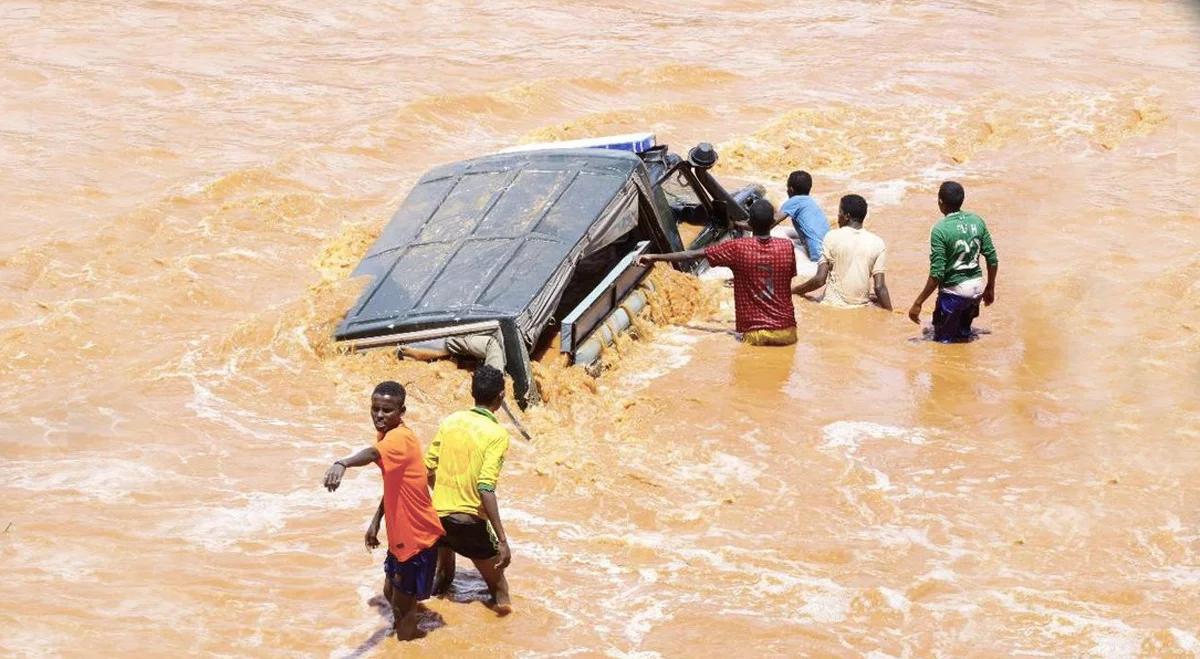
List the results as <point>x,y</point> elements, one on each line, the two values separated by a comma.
<point>514,245</point>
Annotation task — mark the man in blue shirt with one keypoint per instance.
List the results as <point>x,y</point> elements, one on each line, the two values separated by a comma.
<point>808,220</point>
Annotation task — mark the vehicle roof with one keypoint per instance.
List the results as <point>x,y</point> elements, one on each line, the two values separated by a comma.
<point>480,239</point>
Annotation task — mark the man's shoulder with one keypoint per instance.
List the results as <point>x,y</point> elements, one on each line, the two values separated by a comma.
<point>398,444</point>
<point>400,433</point>
<point>875,238</point>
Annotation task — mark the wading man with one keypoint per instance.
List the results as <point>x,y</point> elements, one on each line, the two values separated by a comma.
<point>412,525</point>
<point>852,259</point>
<point>955,245</point>
<point>763,268</point>
<point>463,463</point>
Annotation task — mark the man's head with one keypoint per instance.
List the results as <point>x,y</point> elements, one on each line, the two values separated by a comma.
<point>950,197</point>
<point>487,387</point>
<point>852,210</point>
<point>799,182</point>
<point>762,217</point>
<point>387,405</point>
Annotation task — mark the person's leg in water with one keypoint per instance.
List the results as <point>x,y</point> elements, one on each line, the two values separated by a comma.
<point>496,582</point>
<point>969,314</point>
<point>404,610</point>
<point>445,571</point>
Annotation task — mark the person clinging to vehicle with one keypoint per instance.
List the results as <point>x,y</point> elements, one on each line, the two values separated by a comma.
<point>762,268</point>
<point>955,244</point>
<point>413,527</point>
<point>808,222</point>
<point>464,462</point>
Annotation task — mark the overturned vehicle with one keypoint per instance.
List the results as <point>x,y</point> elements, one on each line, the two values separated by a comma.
<point>500,257</point>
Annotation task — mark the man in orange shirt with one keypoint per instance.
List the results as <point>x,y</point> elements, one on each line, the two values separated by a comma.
<point>413,526</point>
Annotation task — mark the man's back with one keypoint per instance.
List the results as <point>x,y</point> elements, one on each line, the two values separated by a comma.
<point>956,242</point>
<point>855,256</point>
<point>808,220</point>
<point>762,278</point>
<point>467,454</point>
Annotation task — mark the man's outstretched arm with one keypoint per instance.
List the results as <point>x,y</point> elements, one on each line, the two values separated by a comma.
<point>882,297</point>
<point>673,257</point>
<point>817,280</point>
<point>333,477</point>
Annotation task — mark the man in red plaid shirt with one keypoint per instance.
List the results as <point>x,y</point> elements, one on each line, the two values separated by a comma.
<point>763,268</point>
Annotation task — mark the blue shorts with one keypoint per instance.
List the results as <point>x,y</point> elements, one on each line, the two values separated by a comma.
<point>413,577</point>
<point>952,316</point>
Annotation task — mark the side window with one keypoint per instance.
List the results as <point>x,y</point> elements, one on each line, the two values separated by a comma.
<point>679,192</point>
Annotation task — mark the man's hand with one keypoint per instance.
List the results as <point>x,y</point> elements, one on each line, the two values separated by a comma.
<point>989,296</point>
<point>333,477</point>
<point>645,260</point>
<point>505,556</point>
<point>372,537</point>
<point>914,314</point>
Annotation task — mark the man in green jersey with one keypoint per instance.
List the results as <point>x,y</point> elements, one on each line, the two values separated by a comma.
<point>955,244</point>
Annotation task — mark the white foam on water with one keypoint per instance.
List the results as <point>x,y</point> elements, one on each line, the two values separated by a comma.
<point>886,193</point>
<point>1178,575</point>
<point>670,350</point>
<point>220,527</point>
<point>1112,637</point>
<point>895,599</point>
<point>827,606</point>
<point>647,613</point>
<point>65,564</point>
<point>1186,640</point>
<point>722,469</point>
<point>719,273</point>
<point>102,479</point>
<point>851,434</point>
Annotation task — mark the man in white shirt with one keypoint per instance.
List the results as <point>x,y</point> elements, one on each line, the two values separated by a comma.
<point>852,259</point>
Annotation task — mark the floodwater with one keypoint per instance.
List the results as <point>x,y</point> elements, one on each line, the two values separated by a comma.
<point>186,186</point>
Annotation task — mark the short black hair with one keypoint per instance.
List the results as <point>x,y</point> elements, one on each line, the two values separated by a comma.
<point>800,182</point>
<point>762,217</point>
<point>391,389</point>
<point>486,384</point>
<point>854,206</point>
<point>952,195</point>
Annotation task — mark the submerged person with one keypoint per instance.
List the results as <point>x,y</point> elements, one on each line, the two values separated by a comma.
<point>852,260</point>
<point>809,224</point>
<point>413,527</point>
<point>955,244</point>
<point>762,268</point>
<point>463,463</point>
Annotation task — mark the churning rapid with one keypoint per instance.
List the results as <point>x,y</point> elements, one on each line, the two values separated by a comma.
<point>188,185</point>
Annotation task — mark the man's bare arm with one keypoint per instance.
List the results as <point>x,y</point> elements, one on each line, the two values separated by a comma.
<point>989,292</point>
<point>673,257</point>
<point>882,297</point>
<point>333,477</point>
<point>491,508</point>
<point>914,313</point>
<point>817,280</point>
<point>372,537</point>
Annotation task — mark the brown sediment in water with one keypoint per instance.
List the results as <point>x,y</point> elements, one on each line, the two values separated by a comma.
<point>178,240</point>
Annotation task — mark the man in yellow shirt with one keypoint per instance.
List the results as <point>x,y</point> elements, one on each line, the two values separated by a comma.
<point>464,462</point>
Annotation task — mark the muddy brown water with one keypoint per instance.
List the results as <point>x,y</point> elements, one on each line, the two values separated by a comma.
<point>186,186</point>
